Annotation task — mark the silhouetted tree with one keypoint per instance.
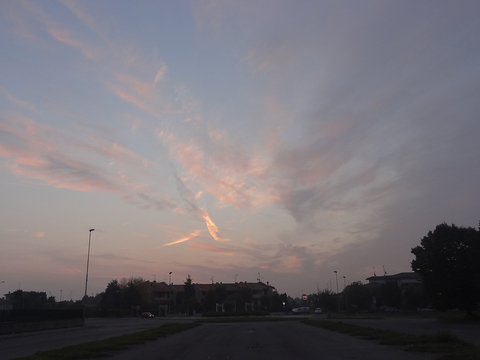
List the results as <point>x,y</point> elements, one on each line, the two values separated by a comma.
<point>359,296</point>
<point>278,300</point>
<point>131,294</point>
<point>189,288</point>
<point>448,261</point>
<point>28,299</point>
<point>112,296</point>
<point>391,294</point>
<point>415,297</point>
<point>210,300</point>
<point>120,295</point>
<point>51,301</point>
<point>327,300</point>
<point>188,300</point>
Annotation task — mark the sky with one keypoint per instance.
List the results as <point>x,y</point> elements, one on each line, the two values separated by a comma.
<point>232,140</point>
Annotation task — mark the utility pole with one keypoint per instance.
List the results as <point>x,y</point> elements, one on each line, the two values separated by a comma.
<point>86,276</point>
<point>338,299</point>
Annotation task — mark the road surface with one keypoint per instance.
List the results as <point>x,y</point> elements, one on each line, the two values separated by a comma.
<point>24,344</point>
<point>283,339</point>
<point>266,341</point>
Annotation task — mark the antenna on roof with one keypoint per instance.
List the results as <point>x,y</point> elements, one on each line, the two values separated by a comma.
<point>212,279</point>
<point>258,277</point>
<point>384,271</point>
<point>374,271</point>
<point>236,278</point>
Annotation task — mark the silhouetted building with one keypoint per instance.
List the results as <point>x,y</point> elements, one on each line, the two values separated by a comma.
<point>402,279</point>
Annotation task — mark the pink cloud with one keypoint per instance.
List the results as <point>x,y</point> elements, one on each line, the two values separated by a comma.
<point>160,74</point>
<point>204,247</point>
<point>17,101</point>
<point>140,87</point>
<point>64,36</point>
<point>38,152</point>
<point>229,179</point>
<point>76,9</point>
<point>184,238</point>
<point>212,228</point>
<point>130,98</point>
<point>70,271</point>
<point>141,235</point>
<point>30,161</point>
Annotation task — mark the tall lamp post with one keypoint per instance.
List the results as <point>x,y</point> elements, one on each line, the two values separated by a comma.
<point>338,299</point>
<point>88,261</point>
<point>171,292</point>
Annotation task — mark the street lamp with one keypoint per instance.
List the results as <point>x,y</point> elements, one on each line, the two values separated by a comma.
<point>88,261</point>
<point>338,299</point>
<point>345,292</point>
<point>170,294</point>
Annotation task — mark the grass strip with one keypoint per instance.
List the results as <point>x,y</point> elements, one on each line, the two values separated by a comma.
<point>246,319</point>
<point>102,348</point>
<point>448,345</point>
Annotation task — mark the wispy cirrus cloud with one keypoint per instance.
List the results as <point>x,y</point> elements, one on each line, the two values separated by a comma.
<point>124,95</point>
<point>66,37</point>
<point>216,171</point>
<point>34,151</point>
<point>84,16</point>
<point>184,238</point>
<point>190,199</point>
<point>211,248</point>
<point>160,74</point>
<point>21,103</point>
<point>212,228</point>
<point>140,87</point>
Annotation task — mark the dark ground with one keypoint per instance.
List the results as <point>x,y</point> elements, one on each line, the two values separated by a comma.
<point>288,340</point>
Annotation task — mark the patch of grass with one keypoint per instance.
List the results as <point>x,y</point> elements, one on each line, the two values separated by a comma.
<point>441,342</point>
<point>356,316</point>
<point>102,348</point>
<point>214,314</point>
<point>246,319</point>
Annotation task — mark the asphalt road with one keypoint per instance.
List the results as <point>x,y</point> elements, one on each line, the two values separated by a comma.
<point>24,344</point>
<point>280,340</point>
<point>265,341</point>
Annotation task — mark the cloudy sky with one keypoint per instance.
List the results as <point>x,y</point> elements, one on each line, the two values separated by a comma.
<point>232,139</point>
